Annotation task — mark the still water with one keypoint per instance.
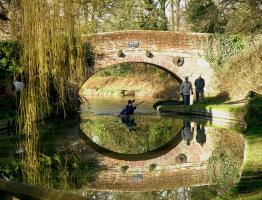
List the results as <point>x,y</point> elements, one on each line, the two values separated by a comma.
<point>99,155</point>
<point>152,152</point>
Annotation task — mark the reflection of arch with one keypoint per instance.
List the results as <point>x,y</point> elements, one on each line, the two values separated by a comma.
<point>175,141</point>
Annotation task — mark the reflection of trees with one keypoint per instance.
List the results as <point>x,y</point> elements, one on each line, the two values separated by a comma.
<point>55,163</point>
<point>162,194</point>
<point>150,133</point>
<point>225,163</point>
<point>203,192</point>
<point>65,170</point>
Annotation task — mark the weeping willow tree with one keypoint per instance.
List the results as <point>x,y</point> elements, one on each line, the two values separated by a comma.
<point>52,69</point>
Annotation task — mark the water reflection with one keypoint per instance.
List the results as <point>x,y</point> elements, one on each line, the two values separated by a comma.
<point>129,121</point>
<point>201,136</point>
<point>190,152</point>
<point>187,131</point>
<point>169,168</point>
<point>129,134</point>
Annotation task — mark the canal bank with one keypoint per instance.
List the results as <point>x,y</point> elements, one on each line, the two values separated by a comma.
<point>232,111</point>
<point>250,184</point>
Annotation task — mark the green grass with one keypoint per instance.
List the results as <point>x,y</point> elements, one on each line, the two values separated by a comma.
<point>219,103</point>
<point>250,185</point>
<point>253,117</point>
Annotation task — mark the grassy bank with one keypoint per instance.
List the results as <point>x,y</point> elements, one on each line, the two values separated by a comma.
<point>215,107</point>
<point>250,185</point>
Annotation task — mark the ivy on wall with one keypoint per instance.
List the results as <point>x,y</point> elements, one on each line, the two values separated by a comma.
<point>219,48</point>
<point>235,58</point>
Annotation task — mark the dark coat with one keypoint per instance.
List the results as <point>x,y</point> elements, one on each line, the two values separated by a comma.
<point>199,84</point>
<point>128,110</point>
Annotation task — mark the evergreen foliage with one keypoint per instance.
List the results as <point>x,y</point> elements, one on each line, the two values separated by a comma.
<point>219,48</point>
<point>225,16</point>
<point>9,57</point>
<point>205,16</point>
<point>9,61</point>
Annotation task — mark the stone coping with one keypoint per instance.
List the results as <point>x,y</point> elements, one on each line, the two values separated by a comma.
<point>212,112</point>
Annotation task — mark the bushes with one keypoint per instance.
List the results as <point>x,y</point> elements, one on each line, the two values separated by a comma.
<point>9,58</point>
<point>243,72</point>
<point>9,61</point>
<point>219,48</point>
<point>237,63</point>
<point>10,169</point>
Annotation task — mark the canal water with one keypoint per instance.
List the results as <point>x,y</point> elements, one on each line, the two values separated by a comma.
<point>99,155</point>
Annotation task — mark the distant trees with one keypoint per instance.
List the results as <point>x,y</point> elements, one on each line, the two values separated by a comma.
<point>110,15</point>
<point>225,16</point>
<point>244,17</point>
<point>212,16</point>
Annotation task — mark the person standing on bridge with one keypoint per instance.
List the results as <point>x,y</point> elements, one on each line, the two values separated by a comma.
<point>185,90</point>
<point>199,86</point>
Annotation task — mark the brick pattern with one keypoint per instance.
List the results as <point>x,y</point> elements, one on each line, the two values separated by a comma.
<point>164,46</point>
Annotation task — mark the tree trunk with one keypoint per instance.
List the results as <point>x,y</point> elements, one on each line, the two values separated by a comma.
<point>172,22</point>
<point>178,14</point>
<point>162,15</point>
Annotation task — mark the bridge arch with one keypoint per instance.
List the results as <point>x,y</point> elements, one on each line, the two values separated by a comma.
<point>163,47</point>
<point>140,59</point>
<point>159,64</point>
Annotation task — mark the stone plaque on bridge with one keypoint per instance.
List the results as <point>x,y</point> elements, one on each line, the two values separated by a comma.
<point>133,44</point>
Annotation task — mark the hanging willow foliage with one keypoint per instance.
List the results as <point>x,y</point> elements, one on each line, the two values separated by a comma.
<point>52,68</point>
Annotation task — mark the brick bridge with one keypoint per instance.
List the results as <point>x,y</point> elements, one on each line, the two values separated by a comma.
<point>181,54</point>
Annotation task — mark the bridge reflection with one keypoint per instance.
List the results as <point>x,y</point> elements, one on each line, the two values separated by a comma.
<point>176,164</point>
